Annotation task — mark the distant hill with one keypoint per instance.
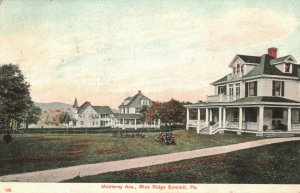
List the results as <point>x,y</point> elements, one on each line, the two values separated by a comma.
<point>55,106</point>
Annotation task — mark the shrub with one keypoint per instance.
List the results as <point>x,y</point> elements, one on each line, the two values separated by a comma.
<point>265,127</point>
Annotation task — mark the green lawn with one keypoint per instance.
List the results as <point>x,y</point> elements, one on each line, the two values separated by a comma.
<point>276,164</point>
<point>33,152</point>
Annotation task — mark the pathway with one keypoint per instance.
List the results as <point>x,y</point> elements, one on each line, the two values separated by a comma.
<point>60,174</point>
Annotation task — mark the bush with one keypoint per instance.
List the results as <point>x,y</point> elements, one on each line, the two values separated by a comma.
<point>7,138</point>
<point>265,127</point>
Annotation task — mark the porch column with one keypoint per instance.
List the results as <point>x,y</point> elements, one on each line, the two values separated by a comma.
<point>198,121</point>
<point>289,123</point>
<point>206,117</point>
<point>224,117</point>
<point>123,123</point>
<point>135,127</point>
<point>210,114</point>
<point>261,119</point>
<point>240,121</point>
<point>220,117</point>
<point>187,118</point>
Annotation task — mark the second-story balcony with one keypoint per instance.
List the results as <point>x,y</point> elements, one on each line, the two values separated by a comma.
<point>234,76</point>
<point>221,98</point>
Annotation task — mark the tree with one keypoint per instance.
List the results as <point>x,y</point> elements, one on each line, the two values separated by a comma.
<point>32,115</point>
<point>151,113</point>
<point>15,98</point>
<point>64,117</point>
<point>173,112</point>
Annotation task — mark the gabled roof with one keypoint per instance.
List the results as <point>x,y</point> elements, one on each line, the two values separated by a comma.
<point>278,60</point>
<point>250,59</point>
<point>83,107</point>
<point>102,109</point>
<point>98,109</point>
<point>135,101</point>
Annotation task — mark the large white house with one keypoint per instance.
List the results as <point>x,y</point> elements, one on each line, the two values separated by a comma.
<point>261,95</point>
<point>87,115</point>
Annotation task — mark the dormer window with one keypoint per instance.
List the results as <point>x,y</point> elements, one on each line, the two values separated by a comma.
<point>242,69</point>
<point>238,68</point>
<point>233,70</point>
<point>287,68</point>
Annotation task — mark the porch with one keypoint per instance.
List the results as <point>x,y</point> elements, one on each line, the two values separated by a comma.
<point>132,121</point>
<point>256,119</point>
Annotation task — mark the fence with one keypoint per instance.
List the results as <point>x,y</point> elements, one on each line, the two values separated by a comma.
<point>83,130</point>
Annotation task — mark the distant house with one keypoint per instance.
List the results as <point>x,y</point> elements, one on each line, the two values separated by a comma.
<point>88,115</point>
<point>129,115</point>
<point>260,96</point>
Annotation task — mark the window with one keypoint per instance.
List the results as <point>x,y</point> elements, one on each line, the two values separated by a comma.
<point>251,88</point>
<point>222,90</point>
<point>238,68</point>
<point>96,122</point>
<point>287,68</point>
<point>237,89</point>
<point>242,69</point>
<point>233,70</point>
<point>145,102</point>
<point>81,122</point>
<point>278,88</point>
<point>104,115</point>
<point>230,89</point>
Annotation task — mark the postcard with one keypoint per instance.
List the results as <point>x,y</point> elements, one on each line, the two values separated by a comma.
<point>149,96</point>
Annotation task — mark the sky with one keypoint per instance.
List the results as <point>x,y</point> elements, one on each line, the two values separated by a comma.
<point>104,51</point>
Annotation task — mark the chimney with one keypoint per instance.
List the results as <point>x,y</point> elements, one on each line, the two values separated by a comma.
<point>272,52</point>
<point>139,92</point>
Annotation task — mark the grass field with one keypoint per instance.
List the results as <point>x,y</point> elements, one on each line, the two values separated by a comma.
<point>33,152</point>
<point>272,164</point>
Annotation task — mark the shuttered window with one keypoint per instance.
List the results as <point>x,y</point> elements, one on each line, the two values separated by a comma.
<point>278,88</point>
<point>251,88</point>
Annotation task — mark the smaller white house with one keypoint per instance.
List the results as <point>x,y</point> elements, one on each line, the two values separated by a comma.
<point>90,116</point>
<point>130,113</point>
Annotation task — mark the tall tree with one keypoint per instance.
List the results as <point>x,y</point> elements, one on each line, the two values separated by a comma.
<point>32,116</point>
<point>15,97</point>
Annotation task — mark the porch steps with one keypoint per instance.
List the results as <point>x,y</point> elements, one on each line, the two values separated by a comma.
<point>204,131</point>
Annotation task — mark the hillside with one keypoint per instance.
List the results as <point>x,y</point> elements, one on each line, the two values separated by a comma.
<point>53,106</point>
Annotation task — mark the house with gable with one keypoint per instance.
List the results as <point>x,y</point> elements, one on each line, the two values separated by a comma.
<point>88,115</point>
<point>261,95</point>
<point>130,116</point>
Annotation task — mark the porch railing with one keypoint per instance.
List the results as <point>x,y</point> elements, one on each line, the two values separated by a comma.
<point>232,124</point>
<point>194,123</point>
<point>245,125</point>
<point>234,76</point>
<point>295,126</point>
<point>221,98</point>
<point>213,129</point>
